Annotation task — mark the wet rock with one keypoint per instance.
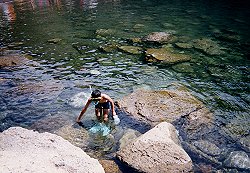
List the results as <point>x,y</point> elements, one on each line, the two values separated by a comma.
<point>238,160</point>
<point>184,45</point>
<point>208,46</point>
<point>157,150</point>
<point>105,32</point>
<point>128,137</point>
<point>15,45</point>
<point>183,68</point>
<point>207,147</point>
<point>166,105</point>
<point>55,40</point>
<point>108,48</point>
<point>135,40</point>
<point>227,35</point>
<point>165,56</point>
<point>24,150</point>
<point>13,60</point>
<point>131,49</point>
<point>238,127</point>
<point>138,27</point>
<point>245,143</point>
<point>76,136</point>
<point>110,166</point>
<point>158,37</point>
<point>47,89</point>
<point>51,123</point>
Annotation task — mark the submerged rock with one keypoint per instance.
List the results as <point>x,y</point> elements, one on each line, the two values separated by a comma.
<point>238,159</point>
<point>105,32</point>
<point>158,37</point>
<point>208,46</point>
<point>184,45</point>
<point>13,60</point>
<point>164,55</point>
<point>24,150</point>
<point>183,68</point>
<point>157,150</point>
<point>128,137</point>
<point>131,49</point>
<point>55,40</point>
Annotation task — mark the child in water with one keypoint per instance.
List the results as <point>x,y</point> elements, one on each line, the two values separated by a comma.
<point>102,103</point>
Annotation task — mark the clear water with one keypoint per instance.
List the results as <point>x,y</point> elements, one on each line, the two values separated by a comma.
<point>76,62</point>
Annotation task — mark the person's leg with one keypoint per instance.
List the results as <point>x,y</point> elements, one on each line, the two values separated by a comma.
<point>97,113</point>
<point>105,115</point>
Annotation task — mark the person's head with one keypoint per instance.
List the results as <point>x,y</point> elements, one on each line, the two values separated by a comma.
<point>96,94</point>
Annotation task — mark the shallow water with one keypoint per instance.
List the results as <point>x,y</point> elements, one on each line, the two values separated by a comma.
<point>74,61</point>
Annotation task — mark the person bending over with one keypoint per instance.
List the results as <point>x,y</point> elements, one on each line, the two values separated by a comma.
<point>102,104</point>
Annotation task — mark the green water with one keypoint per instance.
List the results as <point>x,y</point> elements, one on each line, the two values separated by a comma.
<point>75,61</point>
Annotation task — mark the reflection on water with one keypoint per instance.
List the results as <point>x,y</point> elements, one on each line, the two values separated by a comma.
<point>73,43</point>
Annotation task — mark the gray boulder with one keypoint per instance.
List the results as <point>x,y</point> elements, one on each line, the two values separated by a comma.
<point>24,150</point>
<point>157,151</point>
<point>166,105</point>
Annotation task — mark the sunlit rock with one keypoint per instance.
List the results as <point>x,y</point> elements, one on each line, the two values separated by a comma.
<point>24,150</point>
<point>165,56</point>
<point>157,150</point>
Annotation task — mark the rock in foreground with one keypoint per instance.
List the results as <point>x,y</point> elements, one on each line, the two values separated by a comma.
<point>158,151</point>
<point>24,150</point>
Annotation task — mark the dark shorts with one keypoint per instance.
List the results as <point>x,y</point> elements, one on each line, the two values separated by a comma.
<point>105,105</point>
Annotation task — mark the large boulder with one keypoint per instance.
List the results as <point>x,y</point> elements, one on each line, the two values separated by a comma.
<point>157,150</point>
<point>24,150</point>
<point>165,105</point>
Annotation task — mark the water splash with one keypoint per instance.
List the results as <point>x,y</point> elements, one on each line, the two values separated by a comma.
<point>79,99</point>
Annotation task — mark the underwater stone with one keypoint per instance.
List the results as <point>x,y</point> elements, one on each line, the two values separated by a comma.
<point>105,32</point>
<point>55,40</point>
<point>184,45</point>
<point>131,49</point>
<point>207,147</point>
<point>158,37</point>
<point>208,46</point>
<point>183,68</point>
<point>238,160</point>
<point>165,56</point>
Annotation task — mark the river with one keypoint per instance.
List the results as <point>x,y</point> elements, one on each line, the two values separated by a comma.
<point>65,37</point>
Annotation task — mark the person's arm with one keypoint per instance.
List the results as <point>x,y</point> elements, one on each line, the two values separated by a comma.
<point>83,110</point>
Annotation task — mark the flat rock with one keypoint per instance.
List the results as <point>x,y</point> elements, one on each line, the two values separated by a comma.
<point>163,55</point>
